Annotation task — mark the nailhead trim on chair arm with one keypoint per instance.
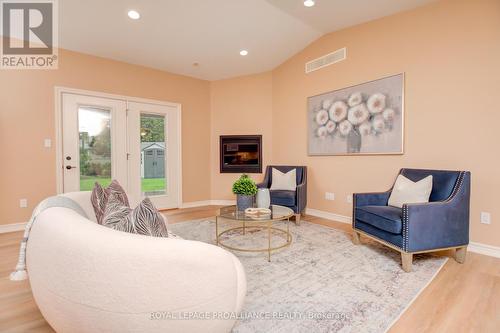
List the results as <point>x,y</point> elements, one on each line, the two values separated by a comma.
<point>406,218</point>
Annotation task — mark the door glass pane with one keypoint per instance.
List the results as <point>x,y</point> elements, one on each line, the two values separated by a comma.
<point>153,155</point>
<point>94,127</point>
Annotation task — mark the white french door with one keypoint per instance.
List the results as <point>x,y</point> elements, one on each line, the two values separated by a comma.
<point>154,147</point>
<point>136,143</point>
<point>94,139</point>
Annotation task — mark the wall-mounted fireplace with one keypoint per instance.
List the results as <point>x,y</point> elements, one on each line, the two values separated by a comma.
<point>241,153</point>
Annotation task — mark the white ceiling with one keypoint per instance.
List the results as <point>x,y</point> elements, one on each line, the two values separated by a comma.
<point>173,34</point>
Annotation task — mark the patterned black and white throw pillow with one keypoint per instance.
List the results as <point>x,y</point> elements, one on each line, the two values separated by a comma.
<point>143,220</point>
<point>100,195</point>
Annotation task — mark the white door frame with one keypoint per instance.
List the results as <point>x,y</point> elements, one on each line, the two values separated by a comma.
<point>58,93</point>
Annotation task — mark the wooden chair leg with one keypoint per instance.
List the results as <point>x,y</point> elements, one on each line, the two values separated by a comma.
<point>460,254</point>
<point>355,238</point>
<point>406,261</point>
<point>297,219</point>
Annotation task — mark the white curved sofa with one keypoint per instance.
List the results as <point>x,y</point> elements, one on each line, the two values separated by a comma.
<point>89,278</point>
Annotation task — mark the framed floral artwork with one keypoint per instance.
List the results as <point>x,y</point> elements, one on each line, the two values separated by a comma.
<point>364,119</point>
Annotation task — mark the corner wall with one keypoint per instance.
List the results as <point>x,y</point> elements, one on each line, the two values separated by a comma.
<point>450,52</point>
<point>242,105</point>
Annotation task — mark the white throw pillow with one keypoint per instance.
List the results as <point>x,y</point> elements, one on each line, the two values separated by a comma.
<point>284,181</point>
<point>406,191</point>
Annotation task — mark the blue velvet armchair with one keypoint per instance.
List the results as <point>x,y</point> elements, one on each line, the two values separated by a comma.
<point>441,224</point>
<point>296,200</point>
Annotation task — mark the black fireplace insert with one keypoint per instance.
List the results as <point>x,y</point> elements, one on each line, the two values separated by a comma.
<point>241,153</point>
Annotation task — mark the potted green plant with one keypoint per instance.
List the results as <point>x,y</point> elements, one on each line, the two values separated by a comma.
<point>245,190</point>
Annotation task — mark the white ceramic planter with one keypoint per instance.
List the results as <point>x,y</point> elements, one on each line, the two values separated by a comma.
<point>263,198</point>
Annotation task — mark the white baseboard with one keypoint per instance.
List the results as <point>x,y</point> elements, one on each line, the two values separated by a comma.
<point>196,204</point>
<point>223,202</point>
<point>207,203</point>
<point>328,215</point>
<point>485,249</point>
<point>309,211</point>
<point>488,250</point>
<point>4,228</point>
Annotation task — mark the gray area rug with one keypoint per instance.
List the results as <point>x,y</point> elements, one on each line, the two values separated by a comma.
<point>322,282</point>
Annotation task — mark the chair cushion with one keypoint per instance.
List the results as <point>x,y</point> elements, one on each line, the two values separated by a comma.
<point>386,218</point>
<point>283,198</point>
<point>380,234</point>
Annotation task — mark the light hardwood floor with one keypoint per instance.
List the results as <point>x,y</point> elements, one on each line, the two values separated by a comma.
<point>462,298</point>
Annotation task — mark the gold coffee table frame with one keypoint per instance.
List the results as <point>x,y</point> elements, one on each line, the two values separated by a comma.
<point>260,222</point>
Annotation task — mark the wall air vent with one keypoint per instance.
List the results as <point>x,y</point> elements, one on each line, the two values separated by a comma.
<point>326,60</point>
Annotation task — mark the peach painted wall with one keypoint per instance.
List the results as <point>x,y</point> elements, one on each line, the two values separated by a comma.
<point>27,118</point>
<point>450,52</point>
<point>241,105</point>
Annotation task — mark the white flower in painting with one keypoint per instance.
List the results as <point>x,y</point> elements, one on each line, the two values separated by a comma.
<point>321,117</point>
<point>376,103</point>
<point>365,128</point>
<point>330,126</point>
<point>389,114</point>
<point>345,127</point>
<point>355,99</point>
<point>322,132</point>
<point>327,103</point>
<point>378,123</point>
<point>338,111</point>
<point>358,114</point>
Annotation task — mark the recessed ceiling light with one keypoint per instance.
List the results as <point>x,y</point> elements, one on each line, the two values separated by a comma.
<point>309,3</point>
<point>134,15</point>
<point>243,52</point>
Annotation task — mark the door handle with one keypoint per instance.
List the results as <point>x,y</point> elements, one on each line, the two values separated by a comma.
<point>69,167</point>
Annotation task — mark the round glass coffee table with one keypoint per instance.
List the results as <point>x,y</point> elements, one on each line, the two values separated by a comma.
<point>260,222</point>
